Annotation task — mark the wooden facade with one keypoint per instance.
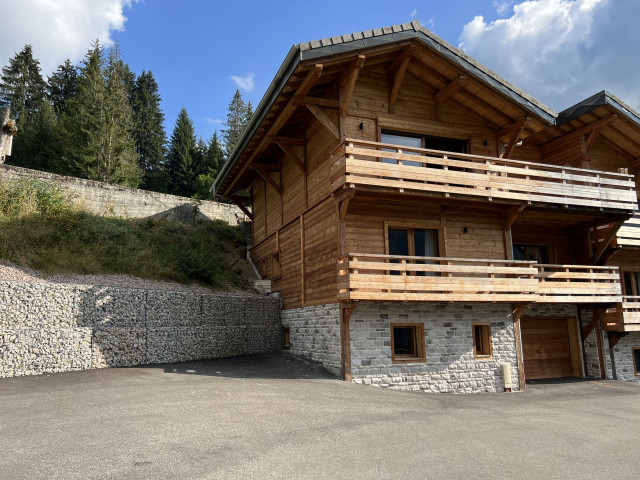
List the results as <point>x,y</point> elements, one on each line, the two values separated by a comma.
<point>326,190</point>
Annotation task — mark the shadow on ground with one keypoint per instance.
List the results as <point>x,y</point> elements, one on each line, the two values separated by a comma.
<point>281,365</point>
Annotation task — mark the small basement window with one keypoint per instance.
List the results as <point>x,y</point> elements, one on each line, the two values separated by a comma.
<point>407,343</point>
<point>636,361</point>
<point>482,347</point>
<point>275,265</point>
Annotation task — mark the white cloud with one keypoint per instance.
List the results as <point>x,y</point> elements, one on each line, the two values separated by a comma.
<point>213,121</point>
<point>244,83</point>
<point>414,13</point>
<point>58,29</point>
<point>503,7</point>
<point>562,51</point>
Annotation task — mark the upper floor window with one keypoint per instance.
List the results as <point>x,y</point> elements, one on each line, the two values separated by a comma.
<point>415,242</point>
<point>421,141</point>
<point>532,253</point>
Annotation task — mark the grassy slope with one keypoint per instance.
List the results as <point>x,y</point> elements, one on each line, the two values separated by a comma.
<point>41,228</point>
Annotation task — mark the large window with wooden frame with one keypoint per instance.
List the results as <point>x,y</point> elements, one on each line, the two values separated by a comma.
<point>636,361</point>
<point>430,142</point>
<point>407,343</point>
<point>532,253</point>
<point>413,242</point>
<point>482,347</point>
<point>631,282</point>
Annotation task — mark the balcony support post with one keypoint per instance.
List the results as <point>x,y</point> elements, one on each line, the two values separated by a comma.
<point>346,309</point>
<point>606,241</point>
<point>516,313</point>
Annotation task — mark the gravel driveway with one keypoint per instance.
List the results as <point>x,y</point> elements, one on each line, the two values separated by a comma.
<point>276,416</point>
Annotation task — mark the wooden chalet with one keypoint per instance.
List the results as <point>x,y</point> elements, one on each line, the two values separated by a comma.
<point>429,226</point>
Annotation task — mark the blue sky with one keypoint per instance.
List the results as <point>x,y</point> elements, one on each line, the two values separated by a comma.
<point>560,51</point>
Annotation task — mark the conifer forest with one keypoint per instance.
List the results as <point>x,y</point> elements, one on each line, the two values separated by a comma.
<point>101,121</point>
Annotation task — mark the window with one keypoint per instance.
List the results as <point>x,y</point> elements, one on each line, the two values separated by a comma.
<point>482,347</point>
<point>631,283</point>
<point>415,242</point>
<point>275,265</point>
<point>421,141</point>
<point>286,338</point>
<point>636,361</point>
<point>407,343</point>
<point>532,253</point>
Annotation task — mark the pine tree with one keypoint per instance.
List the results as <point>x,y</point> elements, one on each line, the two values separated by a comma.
<point>21,85</point>
<point>148,132</point>
<point>99,122</point>
<point>238,118</point>
<point>211,163</point>
<point>181,156</point>
<point>62,86</point>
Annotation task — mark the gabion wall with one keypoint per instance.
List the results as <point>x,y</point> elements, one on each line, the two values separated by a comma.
<point>47,327</point>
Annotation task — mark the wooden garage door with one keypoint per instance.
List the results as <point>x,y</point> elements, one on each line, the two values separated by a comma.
<point>549,348</point>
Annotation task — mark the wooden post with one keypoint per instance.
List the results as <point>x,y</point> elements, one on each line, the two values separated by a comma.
<point>517,312</point>
<point>346,309</point>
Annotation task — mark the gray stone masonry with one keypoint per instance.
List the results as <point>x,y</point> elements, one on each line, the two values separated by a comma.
<point>450,364</point>
<point>314,333</point>
<point>115,200</point>
<point>622,352</point>
<point>50,327</point>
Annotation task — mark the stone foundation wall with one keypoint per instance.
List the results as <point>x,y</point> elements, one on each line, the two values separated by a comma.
<point>314,333</point>
<point>623,356</point>
<point>47,328</point>
<point>115,200</point>
<point>450,364</point>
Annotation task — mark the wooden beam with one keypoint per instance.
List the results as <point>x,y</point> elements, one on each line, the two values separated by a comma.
<point>603,374</point>
<point>512,133</point>
<point>265,175</point>
<point>516,312</point>
<point>511,214</point>
<point>296,142</point>
<point>590,138</point>
<point>599,125</point>
<point>348,82</point>
<point>606,241</point>
<point>343,201</point>
<point>598,314</point>
<point>239,201</point>
<point>614,337</point>
<point>450,89</point>
<point>305,86</point>
<point>324,120</point>
<point>346,309</point>
<point>321,102</point>
<point>288,151</point>
<point>397,72</point>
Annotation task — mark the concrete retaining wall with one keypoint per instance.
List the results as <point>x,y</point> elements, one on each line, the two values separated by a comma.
<point>48,327</point>
<point>115,200</point>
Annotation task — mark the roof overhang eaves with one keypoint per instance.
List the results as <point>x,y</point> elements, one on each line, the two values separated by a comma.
<point>596,101</point>
<point>288,66</point>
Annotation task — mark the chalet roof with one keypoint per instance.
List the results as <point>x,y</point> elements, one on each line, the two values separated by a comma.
<point>592,103</point>
<point>327,47</point>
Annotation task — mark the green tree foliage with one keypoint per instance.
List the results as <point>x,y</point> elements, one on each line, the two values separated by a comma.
<point>238,118</point>
<point>39,144</point>
<point>100,122</point>
<point>212,162</point>
<point>148,132</point>
<point>21,85</point>
<point>182,156</point>
<point>62,86</point>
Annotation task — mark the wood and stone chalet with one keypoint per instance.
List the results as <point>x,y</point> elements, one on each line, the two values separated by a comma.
<point>429,226</point>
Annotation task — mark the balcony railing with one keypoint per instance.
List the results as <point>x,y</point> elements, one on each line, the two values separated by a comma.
<point>578,284</point>
<point>429,279</point>
<point>389,167</point>
<point>629,233</point>
<point>625,317</point>
<point>441,279</point>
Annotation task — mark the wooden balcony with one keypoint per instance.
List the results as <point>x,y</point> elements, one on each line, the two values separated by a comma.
<point>440,279</point>
<point>624,317</point>
<point>379,166</point>
<point>578,284</point>
<point>435,279</point>
<point>629,233</point>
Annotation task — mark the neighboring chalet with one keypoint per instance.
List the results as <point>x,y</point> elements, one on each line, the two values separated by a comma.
<point>426,222</point>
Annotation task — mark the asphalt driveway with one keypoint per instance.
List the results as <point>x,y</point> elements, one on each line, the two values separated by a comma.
<point>276,416</point>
